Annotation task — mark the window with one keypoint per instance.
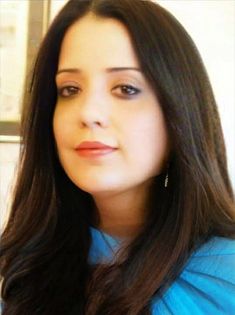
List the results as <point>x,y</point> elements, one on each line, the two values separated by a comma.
<point>22,25</point>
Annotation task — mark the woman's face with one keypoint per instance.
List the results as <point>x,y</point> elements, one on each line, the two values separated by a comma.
<point>108,125</point>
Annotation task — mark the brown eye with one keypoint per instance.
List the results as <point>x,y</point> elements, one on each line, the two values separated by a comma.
<point>127,90</point>
<point>68,91</point>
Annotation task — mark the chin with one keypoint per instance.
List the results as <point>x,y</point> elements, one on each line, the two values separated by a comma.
<point>95,187</point>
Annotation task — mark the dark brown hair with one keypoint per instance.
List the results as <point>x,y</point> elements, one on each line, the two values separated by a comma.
<point>45,245</point>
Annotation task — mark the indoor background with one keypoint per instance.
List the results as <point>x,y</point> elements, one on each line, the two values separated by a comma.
<point>211,23</point>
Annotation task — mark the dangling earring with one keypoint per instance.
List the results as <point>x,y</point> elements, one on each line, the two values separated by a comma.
<point>166,178</point>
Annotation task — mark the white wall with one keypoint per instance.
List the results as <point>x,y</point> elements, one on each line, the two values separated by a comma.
<point>9,153</point>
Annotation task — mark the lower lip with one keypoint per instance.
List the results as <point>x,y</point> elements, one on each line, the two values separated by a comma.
<point>95,153</point>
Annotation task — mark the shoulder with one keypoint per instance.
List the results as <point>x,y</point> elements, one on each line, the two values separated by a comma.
<point>217,256</point>
<point>206,284</point>
<point>217,246</point>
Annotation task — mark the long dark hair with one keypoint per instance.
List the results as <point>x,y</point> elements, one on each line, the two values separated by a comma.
<point>45,245</point>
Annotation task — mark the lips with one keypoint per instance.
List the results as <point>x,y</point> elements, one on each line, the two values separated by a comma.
<point>92,145</point>
<point>94,149</point>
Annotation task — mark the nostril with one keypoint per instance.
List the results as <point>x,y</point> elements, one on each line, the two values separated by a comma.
<point>93,124</point>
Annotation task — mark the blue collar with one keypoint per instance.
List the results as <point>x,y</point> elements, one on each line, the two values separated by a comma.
<point>103,247</point>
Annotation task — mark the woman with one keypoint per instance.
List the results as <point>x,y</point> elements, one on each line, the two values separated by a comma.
<point>123,203</point>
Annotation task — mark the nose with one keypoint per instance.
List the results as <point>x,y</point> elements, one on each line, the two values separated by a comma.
<point>94,112</point>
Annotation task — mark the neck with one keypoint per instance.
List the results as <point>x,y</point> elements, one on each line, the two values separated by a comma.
<point>121,215</point>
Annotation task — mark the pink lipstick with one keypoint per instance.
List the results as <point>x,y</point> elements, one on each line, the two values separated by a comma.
<point>94,149</point>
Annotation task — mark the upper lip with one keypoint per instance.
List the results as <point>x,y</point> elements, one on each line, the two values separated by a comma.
<point>93,145</point>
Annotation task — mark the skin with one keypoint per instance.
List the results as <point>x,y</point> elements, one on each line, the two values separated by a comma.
<point>95,104</point>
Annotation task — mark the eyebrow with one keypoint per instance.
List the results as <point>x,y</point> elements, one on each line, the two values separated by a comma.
<point>108,70</point>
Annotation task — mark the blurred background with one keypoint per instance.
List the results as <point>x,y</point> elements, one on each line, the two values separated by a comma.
<point>211,23</point>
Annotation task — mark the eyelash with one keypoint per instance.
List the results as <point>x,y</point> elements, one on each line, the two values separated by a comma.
<point>124,88</point>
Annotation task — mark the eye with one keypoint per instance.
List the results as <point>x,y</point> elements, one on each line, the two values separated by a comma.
<point>68,91</point>
<point>127,90</point>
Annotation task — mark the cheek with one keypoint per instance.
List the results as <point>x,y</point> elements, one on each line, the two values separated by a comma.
<point>61,127</point>
<point>147,132</point>
<point>148,142</point>
<point>58,132</point>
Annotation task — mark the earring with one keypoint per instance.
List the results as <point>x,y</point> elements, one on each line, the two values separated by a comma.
<point>167,177</point>
<point>166,180</point>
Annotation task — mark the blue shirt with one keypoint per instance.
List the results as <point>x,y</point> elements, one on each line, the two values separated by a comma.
<point>206,286</point>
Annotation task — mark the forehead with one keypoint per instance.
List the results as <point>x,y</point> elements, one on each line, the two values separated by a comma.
<point>97,42</point>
